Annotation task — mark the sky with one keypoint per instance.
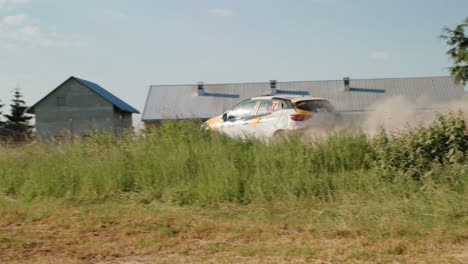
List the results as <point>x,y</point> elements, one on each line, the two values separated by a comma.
<point>128,45</point>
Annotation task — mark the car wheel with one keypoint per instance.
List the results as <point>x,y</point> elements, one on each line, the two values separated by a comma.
<point>279,135</point>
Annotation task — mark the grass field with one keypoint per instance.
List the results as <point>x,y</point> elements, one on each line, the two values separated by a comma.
<point>179,194</point>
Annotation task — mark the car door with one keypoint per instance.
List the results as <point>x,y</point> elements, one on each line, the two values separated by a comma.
<point>266,120</point>
<point>237,119</point>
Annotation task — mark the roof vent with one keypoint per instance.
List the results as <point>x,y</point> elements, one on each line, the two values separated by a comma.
<point>201,88</point>
<point>273,87</point>
<point>347,87</point>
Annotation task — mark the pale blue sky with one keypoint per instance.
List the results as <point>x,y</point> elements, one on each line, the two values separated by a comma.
<point>127,45</point>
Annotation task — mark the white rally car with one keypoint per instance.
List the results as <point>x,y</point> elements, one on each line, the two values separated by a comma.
<point>269,116</point>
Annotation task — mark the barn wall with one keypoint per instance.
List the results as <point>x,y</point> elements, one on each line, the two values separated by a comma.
<point>83,111</point>
<point>182,101</point>
<point>122,121</point>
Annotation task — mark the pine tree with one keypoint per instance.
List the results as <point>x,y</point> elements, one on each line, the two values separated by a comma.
<point>1,122</point>
<point>18,121</point>
<point>457,40</point>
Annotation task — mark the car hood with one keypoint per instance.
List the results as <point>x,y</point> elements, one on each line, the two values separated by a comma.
<point>214,120</point>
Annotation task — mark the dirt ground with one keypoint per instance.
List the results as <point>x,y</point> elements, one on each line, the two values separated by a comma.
<point>159,234</point>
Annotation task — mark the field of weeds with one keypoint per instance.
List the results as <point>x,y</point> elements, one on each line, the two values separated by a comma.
<point>179,194</point>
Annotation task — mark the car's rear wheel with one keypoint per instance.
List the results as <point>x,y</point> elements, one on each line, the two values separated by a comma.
<point>279,135</point>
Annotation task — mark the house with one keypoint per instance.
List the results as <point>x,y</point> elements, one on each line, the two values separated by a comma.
<point>352,97</point>
<point>79,107</point>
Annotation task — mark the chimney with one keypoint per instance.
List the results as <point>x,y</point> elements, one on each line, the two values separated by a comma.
<point>201,89</point>
<point>273,87</point>
<point>347,87</point>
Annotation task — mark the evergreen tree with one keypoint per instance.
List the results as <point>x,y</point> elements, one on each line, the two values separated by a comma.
<point>1,121</point>
<point>18,121</point>
<point>458,52</point>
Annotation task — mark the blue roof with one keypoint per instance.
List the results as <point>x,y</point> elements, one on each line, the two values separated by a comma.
<point>108,96</point>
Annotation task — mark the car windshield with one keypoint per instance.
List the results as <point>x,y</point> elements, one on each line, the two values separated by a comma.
<point>315,106</point>
<point>242,110</point>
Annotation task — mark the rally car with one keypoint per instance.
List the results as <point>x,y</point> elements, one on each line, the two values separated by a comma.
<point>269,116</point>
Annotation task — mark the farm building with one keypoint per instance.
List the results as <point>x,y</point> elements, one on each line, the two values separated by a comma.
<point>352,97</point>
<point>78,107</point>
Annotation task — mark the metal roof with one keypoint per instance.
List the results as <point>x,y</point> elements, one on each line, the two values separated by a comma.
<point>108,96</point>
<point>117,102</point>
<point>183,101</point>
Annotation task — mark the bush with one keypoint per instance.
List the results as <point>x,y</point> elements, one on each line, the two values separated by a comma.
<point>416,151</point>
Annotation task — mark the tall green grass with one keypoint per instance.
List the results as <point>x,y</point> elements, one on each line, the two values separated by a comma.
<point>183,165</point>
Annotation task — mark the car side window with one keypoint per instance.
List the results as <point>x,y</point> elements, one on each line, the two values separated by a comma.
<point>278,105</point>
<point>265,107</point>
<point>315,106</point>
<point>242,110</point>
<point>270,106</point>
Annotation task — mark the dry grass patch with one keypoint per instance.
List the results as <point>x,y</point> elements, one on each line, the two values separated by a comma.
<point>118,233</point>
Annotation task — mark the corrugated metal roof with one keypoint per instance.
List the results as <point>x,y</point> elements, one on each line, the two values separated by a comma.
<point>117,102</point>
<point>182,101</point>
<point>108,96</point>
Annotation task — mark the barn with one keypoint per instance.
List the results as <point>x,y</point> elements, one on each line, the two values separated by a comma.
<point>352,97</point>
<point>78,107</point>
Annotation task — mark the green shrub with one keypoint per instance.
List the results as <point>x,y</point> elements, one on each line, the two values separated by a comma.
<point>417,151</point>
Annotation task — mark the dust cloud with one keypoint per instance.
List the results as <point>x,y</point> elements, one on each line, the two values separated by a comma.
<point>398,113</point>
<point>392,114</point>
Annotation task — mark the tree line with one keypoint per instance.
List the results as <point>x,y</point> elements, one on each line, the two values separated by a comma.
<point>15,125</point>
